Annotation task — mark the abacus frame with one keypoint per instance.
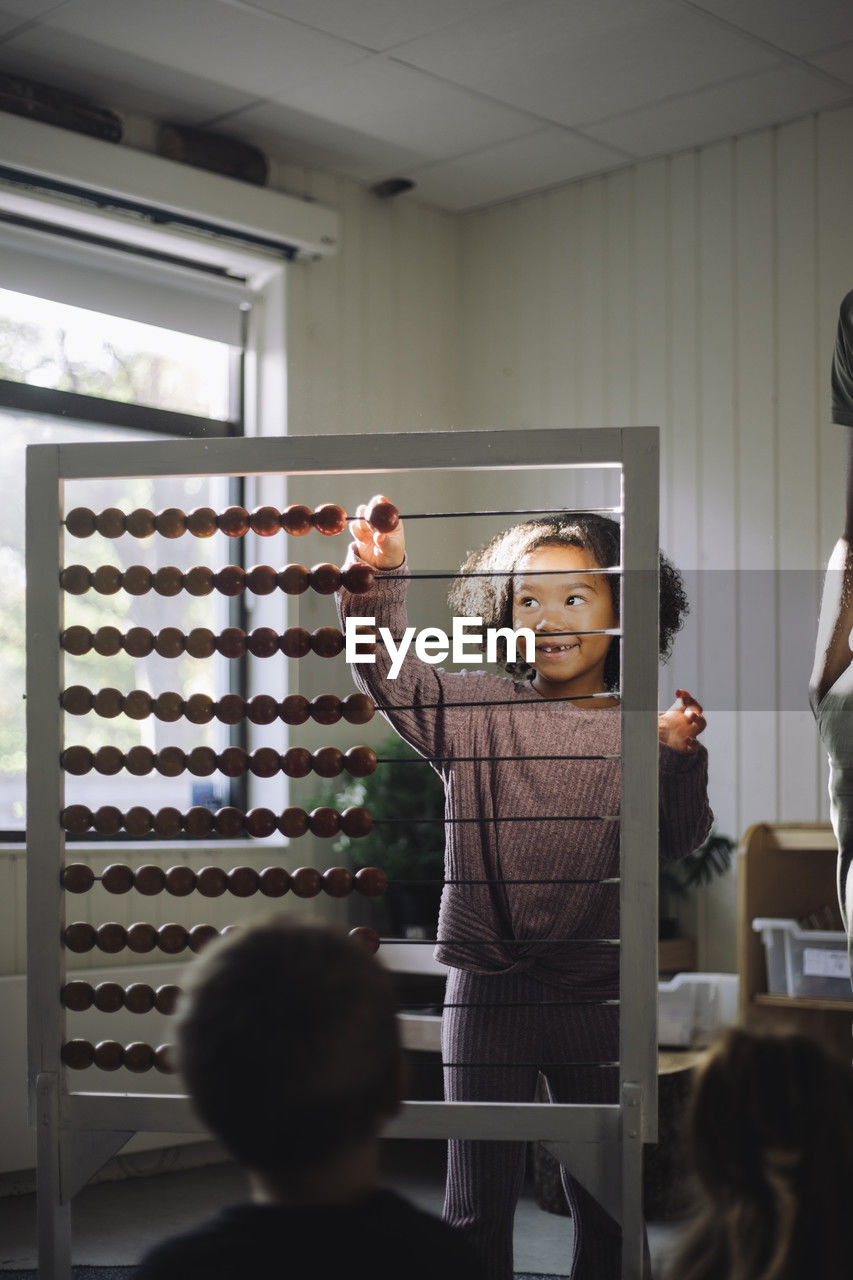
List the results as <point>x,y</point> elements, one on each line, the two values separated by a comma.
<point>78,1131</point>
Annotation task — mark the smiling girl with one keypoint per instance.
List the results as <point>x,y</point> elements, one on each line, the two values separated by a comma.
<point>532,785</point>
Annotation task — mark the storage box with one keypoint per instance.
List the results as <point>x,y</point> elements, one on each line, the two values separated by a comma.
<point>806,963</point>
<point>694,1007</point>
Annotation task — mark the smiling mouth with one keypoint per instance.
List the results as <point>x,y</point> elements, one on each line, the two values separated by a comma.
<point>556,648</point>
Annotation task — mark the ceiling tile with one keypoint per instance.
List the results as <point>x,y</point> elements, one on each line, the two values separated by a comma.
<point>242,49</point>
<point>377,24</point>
<point>798,26</point>
<point>544,159</point>
<point>837,62</point>
<point>755,102</point>
<point>572,61</point>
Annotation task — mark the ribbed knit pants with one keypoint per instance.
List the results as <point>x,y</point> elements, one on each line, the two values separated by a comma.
<point>499,1031</point>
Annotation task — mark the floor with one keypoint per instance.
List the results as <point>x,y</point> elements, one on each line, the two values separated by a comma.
<point>115,1221</point>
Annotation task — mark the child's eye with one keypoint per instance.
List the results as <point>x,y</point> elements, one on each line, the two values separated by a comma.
<point>526,601</point>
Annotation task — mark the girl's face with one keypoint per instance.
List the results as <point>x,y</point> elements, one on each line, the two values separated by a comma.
<point>557,593</point>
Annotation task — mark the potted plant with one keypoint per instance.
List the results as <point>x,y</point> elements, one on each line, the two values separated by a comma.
<point>677,880</point>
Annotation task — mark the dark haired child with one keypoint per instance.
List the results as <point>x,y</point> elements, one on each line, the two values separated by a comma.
<point>288,1043</point>
<point>528,985</point>
<point>771,1138</point>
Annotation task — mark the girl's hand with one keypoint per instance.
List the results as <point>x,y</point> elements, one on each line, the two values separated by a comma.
<point>381,550</point>
<point>681,724</point>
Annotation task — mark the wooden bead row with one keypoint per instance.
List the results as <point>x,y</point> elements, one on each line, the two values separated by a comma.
<point>232,642</point>
<point>142,938</point>
<point>109,997</point>
<point>213,882</point>
<point>169,823</point>
<point>109,1055</point>
<point>235,521</point>
<point>231,580</point>
<point>200,708</point>
<point>234,762</point>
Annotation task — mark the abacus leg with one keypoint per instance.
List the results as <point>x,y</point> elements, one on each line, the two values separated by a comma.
<point>53,1217</point>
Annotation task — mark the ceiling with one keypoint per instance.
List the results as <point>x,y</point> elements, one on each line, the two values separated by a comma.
<point>475,101</point>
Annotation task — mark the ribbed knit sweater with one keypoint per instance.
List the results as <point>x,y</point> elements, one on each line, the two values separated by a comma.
<point>521,828</point>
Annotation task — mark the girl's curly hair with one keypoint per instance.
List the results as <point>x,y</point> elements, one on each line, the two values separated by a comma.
<point>490,596</point>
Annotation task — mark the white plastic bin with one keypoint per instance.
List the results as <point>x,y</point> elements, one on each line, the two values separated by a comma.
<point>694,1007</point>
<point>807,963</point>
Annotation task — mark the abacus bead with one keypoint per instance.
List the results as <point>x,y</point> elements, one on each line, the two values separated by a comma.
<point>76,579</point>
<point>296,762</point>
<point>325,708</point>
<point>330,519</point>
<point>107,579</point>
<point>324,822</point>
<point>325,579</point>
<point>199,580</point>
<point>293,579</point>
<point>76,760</point>
<point>76,700</point>
<point>306,882</point>
<point>201,643</point>
<point>328,762</point>
<point>79,936</point>
<point>172,938</point>
<point>138,704</point>
<point>141,937</point>
<point>168,581</point>
<point>262,709</point>
<point>110,523</point>
<point>358,579</point>
<point>230,709</point>
<point>243,881</point>
<point>201,522</point>
<point>166,996</point>
<point>295,709</point>
<point>107,641</point>
<point>360,762</point>
<point>262,642</point>
<point>383,516</point>
<point>293,823</point>
<point>170,642</point>
<point>296,642</point>
<point>200,935</point>
<point>108,703</point>
<point>264,762</point>
<point>138,642</point>
<point>117,878</point>
<point>107,820</point>
<point>108,997</point>
<point>76,640</point>
<point>198,821</point>
<point>297,520</point>
<point>164,1059</point>
<point>77,1054</point>
<point>80,522</point>
<point>111,937</point>
<point>75,819</point>
<point>77,996</point>
<point>231,642</point>
<point>168,706</point>
<point>234,522</point>
<point>139,761</point>
<point>139,997</point>
<point>233,762</point>
<point>171,762</point>
<point>138,820</point>
<point>327,642</point>
<point>366,938</point>
<point>372,882</point>
<point>139,523</point>
<point>211,882</point>
<point>77,877</point>
<point>230,580</point>
<point>180,881</point>
<point>261,579</point>
<point>201,762</point>
<point>260,823</point>
<point>139,1056</point>
<point>109,1055</point>
<point>149,880</point>
<point>109,761</point>
<point>138,580</point>
<point>265,521</point>
<point>337,882</point>
<point>274,882</point>
<point>356,822</point>
<point>168,823</point>
<point>229,823</point>
<point>171,522</point>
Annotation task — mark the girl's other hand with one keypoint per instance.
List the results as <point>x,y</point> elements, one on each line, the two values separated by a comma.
<point>381,550</point>
<point>680,726</point>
